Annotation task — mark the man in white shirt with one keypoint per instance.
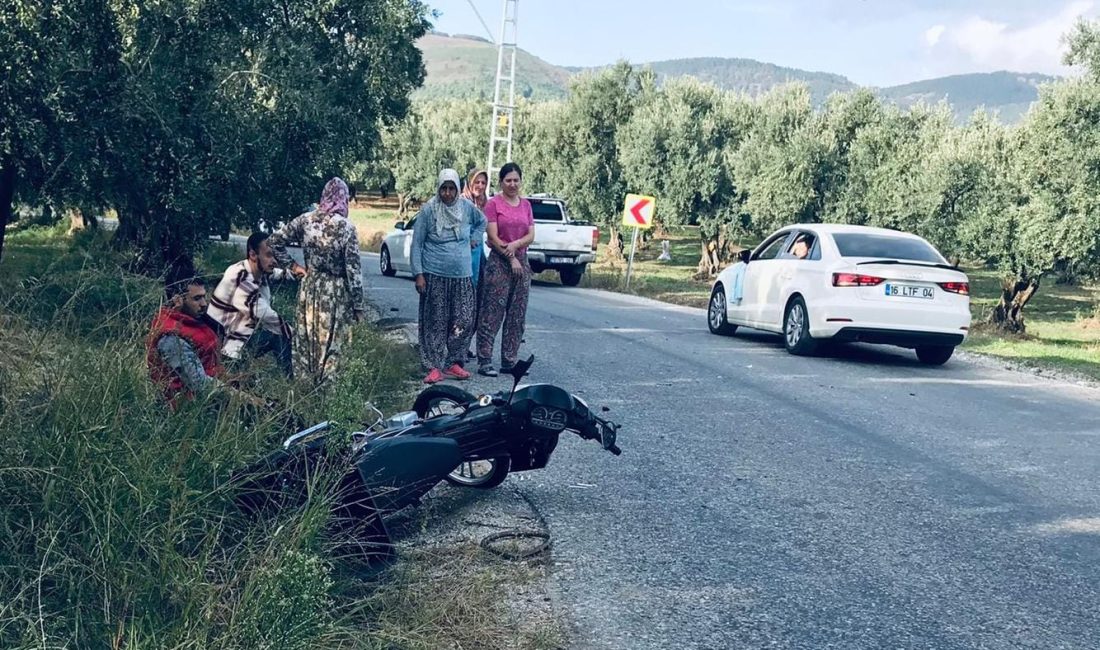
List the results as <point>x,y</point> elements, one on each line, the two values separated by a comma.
<point>241,305</point>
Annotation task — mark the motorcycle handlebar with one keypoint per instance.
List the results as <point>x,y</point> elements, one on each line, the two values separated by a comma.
<point>605,431</point>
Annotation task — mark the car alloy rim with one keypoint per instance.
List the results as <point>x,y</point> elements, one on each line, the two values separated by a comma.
<point>717,304</point>
<point>795,320</point>
<point>385,260</point>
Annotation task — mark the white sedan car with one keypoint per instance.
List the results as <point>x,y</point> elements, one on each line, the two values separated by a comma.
<point>396,252</point>
<point>845,283</point>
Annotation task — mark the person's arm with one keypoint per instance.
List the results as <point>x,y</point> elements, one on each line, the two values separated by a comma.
<point>290,232</point>
<point>178,355</point>
<point>267,317</point>
<point>354,269</point>
<point>222,298</point>
<point>493,231</point>
<point>525,241</point>
<point>421,228</point>
<point>477,226</point>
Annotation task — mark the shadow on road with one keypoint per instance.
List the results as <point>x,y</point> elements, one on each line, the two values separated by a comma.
<point>849,353</point>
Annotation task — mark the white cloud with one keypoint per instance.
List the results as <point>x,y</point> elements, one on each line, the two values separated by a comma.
<point>992,45</point>
<point>932,36</point>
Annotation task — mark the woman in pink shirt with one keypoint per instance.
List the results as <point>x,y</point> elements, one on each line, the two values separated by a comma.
<point>507,275</point>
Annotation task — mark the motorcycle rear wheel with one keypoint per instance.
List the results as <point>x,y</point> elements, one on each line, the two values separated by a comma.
<point>442,399</point>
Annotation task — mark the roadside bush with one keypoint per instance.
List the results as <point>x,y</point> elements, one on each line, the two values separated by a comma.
<point>119,528</point>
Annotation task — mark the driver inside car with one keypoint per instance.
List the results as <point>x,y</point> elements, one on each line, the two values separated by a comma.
<point>801,247</point>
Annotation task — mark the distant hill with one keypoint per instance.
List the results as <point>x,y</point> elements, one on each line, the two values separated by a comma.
<point>465,66</point>
<point>1009,94</point>
<point>749,76</point>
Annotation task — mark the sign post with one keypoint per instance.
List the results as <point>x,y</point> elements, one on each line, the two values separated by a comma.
<point>638,213</point>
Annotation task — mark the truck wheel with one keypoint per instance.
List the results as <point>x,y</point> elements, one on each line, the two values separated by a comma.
<point>571,277</point>
<point>934,355</point>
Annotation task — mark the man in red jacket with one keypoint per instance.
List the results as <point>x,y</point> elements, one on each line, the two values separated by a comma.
<point>182,349</point>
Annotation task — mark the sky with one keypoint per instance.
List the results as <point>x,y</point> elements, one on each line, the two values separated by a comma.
<point>872,42</point>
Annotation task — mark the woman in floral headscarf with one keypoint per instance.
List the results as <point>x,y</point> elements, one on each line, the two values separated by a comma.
<point>474,192</point>
<point>331,294</point>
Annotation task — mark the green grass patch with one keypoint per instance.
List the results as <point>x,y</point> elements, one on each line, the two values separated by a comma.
<point>119,528</point>
<point>372,224</point>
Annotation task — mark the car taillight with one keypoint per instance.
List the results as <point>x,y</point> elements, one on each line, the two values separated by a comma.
<point>961,288</point>
<point>595,239</point>
<point>855,280</point>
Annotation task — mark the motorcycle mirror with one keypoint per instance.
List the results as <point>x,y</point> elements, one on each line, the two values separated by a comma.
<point>518,371</point>
<point>521,368</point>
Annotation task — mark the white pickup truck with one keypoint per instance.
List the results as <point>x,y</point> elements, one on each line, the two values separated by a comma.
<point>561,244</point>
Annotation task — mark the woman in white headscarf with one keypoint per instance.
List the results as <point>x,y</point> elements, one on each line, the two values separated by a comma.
<point>442,232</point>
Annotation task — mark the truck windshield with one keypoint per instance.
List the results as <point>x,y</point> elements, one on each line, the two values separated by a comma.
<point>547,211</point>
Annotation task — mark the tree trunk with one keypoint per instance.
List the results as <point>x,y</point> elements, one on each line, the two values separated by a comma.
<point>616,245</point>
<point>76,221</point>
<point>710,258</point>
<point>1008,315</point>
<point>7,195</point>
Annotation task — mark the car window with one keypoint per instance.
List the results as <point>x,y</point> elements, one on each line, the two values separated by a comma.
<point>803,246</point>
<point>887,247</point>
<point>410,223</point>
<point>773,248</point>
<point>547,211</point>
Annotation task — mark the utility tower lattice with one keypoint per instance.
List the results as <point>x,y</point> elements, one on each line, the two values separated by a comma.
<point>504,112</point>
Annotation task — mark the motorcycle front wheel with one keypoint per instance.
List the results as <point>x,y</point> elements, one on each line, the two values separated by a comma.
<point>442,399</point>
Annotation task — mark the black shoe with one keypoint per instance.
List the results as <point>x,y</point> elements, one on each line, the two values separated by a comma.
<point>470,354</point>
<point>505,369</point>
<point>487,371</point>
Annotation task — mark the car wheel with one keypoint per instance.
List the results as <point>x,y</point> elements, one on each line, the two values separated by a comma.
<point>384,263</point>
<point>716,313</point>
<point>571,277</point>
<point>796,329</point>
<point>935,355</point>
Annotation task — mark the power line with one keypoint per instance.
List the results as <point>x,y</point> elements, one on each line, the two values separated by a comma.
<point>483,24</point>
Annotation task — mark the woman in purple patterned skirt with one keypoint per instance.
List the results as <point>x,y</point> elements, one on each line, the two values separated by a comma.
<point>506,280</point>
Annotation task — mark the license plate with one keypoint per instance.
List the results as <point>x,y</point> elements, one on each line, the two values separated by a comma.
<point>561,260</point>
<point>910,291</point>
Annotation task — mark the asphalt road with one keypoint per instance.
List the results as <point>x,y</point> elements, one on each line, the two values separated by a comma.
<point>858,500</point>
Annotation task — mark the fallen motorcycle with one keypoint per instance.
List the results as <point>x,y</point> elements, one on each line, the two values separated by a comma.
<point>449,435</point>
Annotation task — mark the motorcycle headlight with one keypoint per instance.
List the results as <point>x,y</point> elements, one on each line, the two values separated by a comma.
<point>552,419</point>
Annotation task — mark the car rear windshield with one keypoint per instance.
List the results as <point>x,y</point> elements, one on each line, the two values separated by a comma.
<point>885,247</point>
<point>546,211</point>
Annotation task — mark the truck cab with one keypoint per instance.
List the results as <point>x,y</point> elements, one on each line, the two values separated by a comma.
<point>561,243</point>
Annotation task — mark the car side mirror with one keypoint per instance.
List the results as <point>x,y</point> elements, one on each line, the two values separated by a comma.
<point>400,225</point>
<point>745,255</point>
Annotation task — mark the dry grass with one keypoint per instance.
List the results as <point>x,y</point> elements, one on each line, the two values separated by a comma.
<point>459,598</point>
<point>118,527</point>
